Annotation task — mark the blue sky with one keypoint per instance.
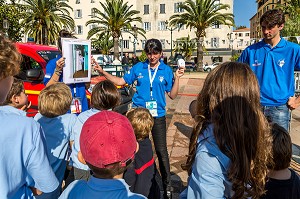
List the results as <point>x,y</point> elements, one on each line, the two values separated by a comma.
<point>243,10</point>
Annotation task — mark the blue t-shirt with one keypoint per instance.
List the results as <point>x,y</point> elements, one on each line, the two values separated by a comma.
<point>209,177</point>
<point>82,117</point>
<point>11,109</point>
<point>78,87</point>
<point>274,69</point>
<point>162,83</point>
<point>58,131</point>
<point>99,188</point>
<point>23,158</point>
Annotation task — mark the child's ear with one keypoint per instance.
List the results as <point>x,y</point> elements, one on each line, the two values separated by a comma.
<point>80,158</point>
<point>14,99</point>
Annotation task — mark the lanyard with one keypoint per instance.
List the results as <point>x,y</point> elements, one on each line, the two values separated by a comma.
<point>151,78</point>
<point>74,89</point>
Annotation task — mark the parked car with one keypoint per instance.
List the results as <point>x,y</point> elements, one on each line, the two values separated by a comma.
<point>33,66</point>
<point>208,68</point>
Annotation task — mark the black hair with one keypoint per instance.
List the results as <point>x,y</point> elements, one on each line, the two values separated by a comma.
<point>153,46</point>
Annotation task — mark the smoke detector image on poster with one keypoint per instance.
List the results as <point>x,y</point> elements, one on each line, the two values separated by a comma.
<point>78,60</point>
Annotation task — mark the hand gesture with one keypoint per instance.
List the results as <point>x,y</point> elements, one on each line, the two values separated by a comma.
<point>293,103</point>
<point>60,64</point>
<point>26,106</point>
<point>96,66</point>
<point>179,72</point>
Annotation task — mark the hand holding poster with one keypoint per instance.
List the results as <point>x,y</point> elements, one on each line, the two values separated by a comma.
<point>77,67</point>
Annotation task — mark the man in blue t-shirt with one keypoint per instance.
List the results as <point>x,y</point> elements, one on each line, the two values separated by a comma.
<point>54,74</point>
<point>273,60</point>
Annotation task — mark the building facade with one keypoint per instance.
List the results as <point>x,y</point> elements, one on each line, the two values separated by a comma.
<point>155,15</point>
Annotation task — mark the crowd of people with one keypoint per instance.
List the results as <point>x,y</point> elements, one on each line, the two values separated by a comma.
<point>239,148</point>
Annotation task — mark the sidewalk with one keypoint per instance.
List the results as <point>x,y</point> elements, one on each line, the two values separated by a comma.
<point>180,125</point>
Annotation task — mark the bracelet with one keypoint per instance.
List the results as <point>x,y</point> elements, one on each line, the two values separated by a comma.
<point>58,72</point>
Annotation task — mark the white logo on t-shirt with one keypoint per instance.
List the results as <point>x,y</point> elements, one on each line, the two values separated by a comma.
<point>161,78</point>
<point>281,62</point>
<point>256,63</point>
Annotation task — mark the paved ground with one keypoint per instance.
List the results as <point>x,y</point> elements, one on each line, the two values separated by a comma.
<point>180,124</point>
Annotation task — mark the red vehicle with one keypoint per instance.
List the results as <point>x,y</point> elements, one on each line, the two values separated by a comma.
<point>35,59</point>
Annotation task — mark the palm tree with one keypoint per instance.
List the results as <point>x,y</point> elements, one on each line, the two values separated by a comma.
<point>103,43</point>
<point>199,15</point>
<point>116,17</point>
<point>186,46</point>
<point>43,19</point>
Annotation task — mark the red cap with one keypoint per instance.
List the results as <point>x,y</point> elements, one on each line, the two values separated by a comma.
<point>107,137</point>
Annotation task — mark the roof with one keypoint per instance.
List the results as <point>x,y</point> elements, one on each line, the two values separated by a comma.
<point>242,30</point>
<point>35,46</point>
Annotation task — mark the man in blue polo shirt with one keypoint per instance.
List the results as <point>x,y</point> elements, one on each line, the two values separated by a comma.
<point>154,80</point>
<point>273,60</point>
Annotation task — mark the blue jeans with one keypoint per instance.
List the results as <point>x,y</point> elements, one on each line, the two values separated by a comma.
<point>278,114</point>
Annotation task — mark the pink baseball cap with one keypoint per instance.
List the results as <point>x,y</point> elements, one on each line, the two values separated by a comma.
<point>107,137</point>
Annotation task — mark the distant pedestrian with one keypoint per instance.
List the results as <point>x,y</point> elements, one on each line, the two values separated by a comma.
<point>135,59</point>
<point>231,140</point>
<point>108,146</point>
<point>273,60</point>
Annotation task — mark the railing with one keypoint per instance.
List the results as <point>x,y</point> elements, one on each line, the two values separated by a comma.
<point>297,82</point>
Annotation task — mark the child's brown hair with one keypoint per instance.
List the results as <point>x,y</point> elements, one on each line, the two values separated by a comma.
<point>141,121</point>
<point>16,89</point>
<point>55,100</point>
<point>105,95</point>
<point>281,148</point>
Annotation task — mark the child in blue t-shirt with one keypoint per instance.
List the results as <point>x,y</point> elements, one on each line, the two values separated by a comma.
<point>105,96</point>
<point>54,103</point>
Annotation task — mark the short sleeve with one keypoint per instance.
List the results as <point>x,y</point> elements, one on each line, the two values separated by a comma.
<point>130,76</point>
<point>169,80</point>
<point>50,67</point>
<point>244,57</point>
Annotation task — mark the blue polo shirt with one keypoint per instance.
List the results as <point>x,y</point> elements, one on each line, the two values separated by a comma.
<point>162,83</point>
<point>274,69</point>
<point>80,87</point>
<point>58,131</point>
<point>99,188</point>
<point>23,158</point>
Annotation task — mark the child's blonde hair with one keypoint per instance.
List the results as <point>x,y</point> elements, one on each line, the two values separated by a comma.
<point>55,100</point>
<point>141,121</point>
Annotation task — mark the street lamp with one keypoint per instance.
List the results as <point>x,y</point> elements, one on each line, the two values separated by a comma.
<point>170,29</point>
<point>5,26</point>
<point>134,28</point>
<point>231,39</point>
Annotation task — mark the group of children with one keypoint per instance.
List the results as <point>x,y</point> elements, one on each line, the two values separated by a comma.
<point>232,154</point>
<point>63,131</point>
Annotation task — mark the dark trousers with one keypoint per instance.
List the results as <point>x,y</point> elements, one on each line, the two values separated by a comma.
<point>159,135</point>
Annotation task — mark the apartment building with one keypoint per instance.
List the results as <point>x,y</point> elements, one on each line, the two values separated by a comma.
<point>241,39</point>
<point>155,15</point>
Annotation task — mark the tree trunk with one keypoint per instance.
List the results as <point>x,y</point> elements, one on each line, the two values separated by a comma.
<point>199,66</point>
<point>116,48</point>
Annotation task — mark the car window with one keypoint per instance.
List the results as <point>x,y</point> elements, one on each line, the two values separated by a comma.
<point>47,55</point>
<point>27,63</point>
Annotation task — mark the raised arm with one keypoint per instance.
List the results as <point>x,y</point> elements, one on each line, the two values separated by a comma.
<point>119,81</point>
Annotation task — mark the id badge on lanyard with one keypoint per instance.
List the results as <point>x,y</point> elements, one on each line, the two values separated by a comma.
<point>151,105</point>
<point>76,103</point>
